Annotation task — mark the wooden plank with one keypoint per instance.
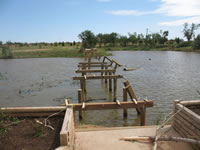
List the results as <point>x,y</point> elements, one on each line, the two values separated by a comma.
<point>190,113</point>
<point>86,63</point>
<point>67,133</point>
<point>131,93</point>
<point>111,105</point>
<point>98,77</point>
<point>32,109</point>
<point>95,65</point>
<point>95,70</point>
<point>192,102</point>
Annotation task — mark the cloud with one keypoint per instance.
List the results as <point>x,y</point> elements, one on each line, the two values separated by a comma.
<point>180,22</point>
<point>130,12</point>
<point>104,0</point>
<point>173,8</point>
<point>181,8</point>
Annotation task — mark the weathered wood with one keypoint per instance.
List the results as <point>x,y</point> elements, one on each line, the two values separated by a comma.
<point>93,71</point>
<point>111,105</point>
<point>98,77</point>
<point>131,93</point>
<point>190,113</point>
<point>117,102</point>
<point>143,116</point>
<point>32,109</point>
<point>194,131</point>
<point>115,90</point>
<point>80,100</point>
<point>188,103</point>
<point>125,113</point>
<point>116,62</point>
<point>153,138</point>
<point>67,133</point>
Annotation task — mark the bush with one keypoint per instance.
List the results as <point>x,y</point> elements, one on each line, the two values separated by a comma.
<point>184,44</point>
<point>196,43</point>
<point>6,51</point>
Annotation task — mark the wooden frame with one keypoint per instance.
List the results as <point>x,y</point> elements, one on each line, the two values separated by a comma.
<point>67,133</point>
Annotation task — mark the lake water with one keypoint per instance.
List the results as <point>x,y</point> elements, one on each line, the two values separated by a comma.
<point>161,77</point>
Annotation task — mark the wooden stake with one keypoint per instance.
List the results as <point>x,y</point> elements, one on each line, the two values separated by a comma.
<point>80,100</point>
<point>125,100</point>
<point>110,83</point>
<point>115,89</point>
<point>143,116</point>
<point>106,81</point>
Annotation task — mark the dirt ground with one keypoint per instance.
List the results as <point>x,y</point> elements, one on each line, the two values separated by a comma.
<point>31,135</point>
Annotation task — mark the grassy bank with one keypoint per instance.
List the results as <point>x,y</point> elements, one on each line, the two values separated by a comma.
<point>185,49</point>
<point>32,52</point>
<point>72,51</point>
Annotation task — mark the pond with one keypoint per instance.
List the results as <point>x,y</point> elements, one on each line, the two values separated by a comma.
<point>160,76</point>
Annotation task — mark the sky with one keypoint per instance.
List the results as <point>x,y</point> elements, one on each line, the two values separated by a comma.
<point>63,20</point>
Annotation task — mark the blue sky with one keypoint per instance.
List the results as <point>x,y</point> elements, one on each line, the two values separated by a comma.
<point>63,20</point>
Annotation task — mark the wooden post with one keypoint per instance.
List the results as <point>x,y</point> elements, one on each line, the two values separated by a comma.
<point>125,99</point>
<point>83,68</point>
<point>83,88</point>
<point>110,83</point>
<point>106,81</point>
<point>115,89</point>
<point>143,116</point>
<point>80,100</point>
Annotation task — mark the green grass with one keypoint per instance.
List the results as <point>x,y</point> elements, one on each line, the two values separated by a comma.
<point>72,51</point>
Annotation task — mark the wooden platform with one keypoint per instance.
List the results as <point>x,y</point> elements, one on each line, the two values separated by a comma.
<point>109,139</point>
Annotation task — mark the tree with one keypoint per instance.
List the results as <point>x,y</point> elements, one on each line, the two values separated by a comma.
<point>133,38</point>
<point>189,32</point>
<point>123,40</point>
<point>100,39</point>
<point>88,39</point>
<point>113,38</point>
<point>196,43</point>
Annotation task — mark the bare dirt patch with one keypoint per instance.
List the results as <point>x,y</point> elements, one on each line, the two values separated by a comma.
<point>30,135</point>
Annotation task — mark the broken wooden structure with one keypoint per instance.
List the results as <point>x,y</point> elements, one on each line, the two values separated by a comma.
<point>187,120</point>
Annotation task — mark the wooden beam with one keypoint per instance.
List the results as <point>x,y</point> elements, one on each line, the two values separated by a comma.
<point>95,70</point>
<point>111,105</point>
<point>99,77</point>
<point>67,133</point>
<point>86,63</point>
<point>95,65</point>
<point>131,93</point>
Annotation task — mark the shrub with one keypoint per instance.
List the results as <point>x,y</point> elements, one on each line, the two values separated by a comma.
<point>196,43</point>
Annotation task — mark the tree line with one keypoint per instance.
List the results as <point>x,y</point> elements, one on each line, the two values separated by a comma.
<point>148,40</point>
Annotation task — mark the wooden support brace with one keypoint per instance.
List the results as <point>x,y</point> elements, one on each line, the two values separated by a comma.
<point>83,105</point>
<point>131,93</point>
